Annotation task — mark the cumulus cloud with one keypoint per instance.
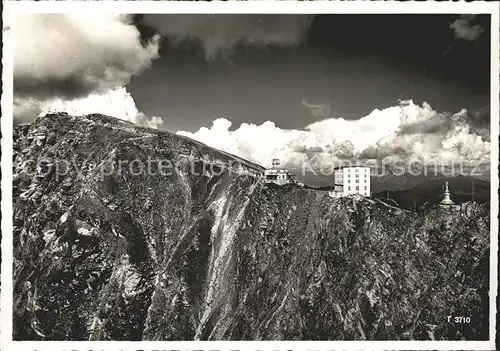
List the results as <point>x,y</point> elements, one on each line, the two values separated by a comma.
<point>116,103</point>
<point>220,34</point>
<point>479,122</point>
<point>406,132</point>
<point>72,55</point>
<point>79,63</point>
<point>464,29</point>
<point>317,110</point>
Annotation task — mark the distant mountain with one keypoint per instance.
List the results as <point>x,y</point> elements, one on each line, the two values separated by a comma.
<point>378,183</point>
<point>401,182</point>
<point>384,182</point>
<point>431,191</point>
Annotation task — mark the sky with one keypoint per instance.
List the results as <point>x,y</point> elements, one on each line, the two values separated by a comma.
<point>349,64</point>
<point>296,87</point>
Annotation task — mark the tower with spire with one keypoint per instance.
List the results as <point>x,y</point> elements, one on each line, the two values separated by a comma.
<point>447,202</point>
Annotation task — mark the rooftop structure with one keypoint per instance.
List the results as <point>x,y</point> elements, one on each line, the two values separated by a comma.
<point>447,203</point>
<point>446,200</point>
<point>277,175</point>
<point>351,180</point>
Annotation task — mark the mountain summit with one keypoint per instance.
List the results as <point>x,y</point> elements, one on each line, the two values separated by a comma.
<point>129,233</point>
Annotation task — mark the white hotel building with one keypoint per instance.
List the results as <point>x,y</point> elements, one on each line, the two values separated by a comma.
<point>351,180</point>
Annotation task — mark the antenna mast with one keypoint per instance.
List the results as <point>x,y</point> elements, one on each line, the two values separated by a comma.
<point>473,189</point>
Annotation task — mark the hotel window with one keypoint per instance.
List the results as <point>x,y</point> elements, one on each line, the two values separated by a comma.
<point>357,180</point>
<point>348,188</point>
<point>357,188</point>
<point>357,175</point>
<point>365,187</point>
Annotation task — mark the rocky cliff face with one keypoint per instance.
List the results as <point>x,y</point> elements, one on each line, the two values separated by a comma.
<point>105,249</point>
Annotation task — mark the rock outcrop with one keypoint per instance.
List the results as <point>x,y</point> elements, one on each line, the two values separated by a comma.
<point>105,249</point>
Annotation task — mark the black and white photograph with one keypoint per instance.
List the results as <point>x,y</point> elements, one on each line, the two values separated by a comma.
<point>249,176</point>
